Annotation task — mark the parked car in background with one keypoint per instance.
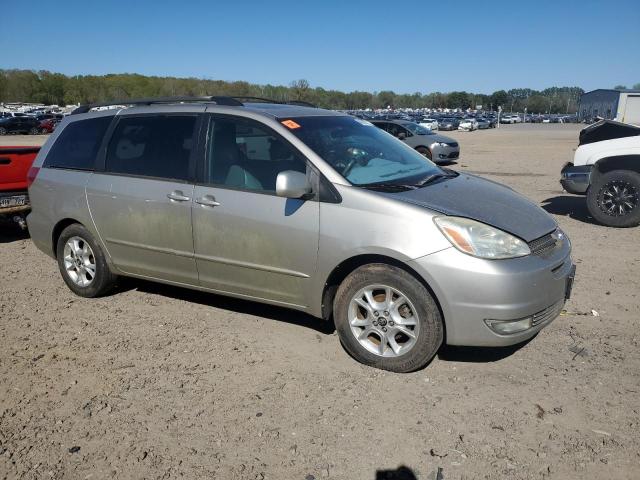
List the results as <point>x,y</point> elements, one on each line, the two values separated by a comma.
<point>435,147</point>
<point>304,208</point>
<point>19,125</point>
<point>509,119</point>
<point>13,114</point>
<point>606,168</point>
<point>15,163</point>
<point>48,125</point>
<point>430,123</point>
<point>468,124</point>
<point>482,123</point>
<point>448,123</point>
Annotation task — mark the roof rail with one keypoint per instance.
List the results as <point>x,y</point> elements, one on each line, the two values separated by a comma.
<point>302,103</point>
<point>218,100</point>
<point>268,100</point>
<point>256,99</point>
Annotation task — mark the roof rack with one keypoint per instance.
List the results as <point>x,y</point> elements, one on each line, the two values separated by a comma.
<point>301,103</point>
<point>218,100</point>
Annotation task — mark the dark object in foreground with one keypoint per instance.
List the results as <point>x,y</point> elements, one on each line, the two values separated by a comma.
<point>401,473</point>
<point>607,130</point>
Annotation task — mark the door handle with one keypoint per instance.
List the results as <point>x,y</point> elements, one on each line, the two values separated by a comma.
<point>178,196</point>
<point>207,201</point>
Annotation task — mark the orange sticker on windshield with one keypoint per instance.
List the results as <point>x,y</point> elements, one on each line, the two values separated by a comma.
<point>290,124</point>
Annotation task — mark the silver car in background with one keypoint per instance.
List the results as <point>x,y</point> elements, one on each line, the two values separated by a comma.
<point>300,207</point>
<point>435,147</point>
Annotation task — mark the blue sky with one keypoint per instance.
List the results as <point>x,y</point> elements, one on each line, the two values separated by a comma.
<point>372,45</point>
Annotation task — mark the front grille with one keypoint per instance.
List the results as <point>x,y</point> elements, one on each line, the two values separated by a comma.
<point>453,144</point>
<point>453,155</point>
<point>544,245</point>
<point>548,313</point>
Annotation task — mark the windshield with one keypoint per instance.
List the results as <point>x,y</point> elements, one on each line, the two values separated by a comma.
<point>417,129</point>
<point>360,151</point>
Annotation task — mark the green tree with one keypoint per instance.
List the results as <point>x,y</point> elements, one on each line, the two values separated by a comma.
<point>299,89</point>
<point>55,88</point>
<point>499,99</point>
<point>459,100</point>
<point>386,99</point>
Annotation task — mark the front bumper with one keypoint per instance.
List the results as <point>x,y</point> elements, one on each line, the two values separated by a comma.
<point>440,154</point>
<point>471,290</point>
<point>575,179</point>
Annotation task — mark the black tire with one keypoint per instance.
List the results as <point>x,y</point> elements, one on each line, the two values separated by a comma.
<point>44,131</point>
<point>103,281</point>
<point>34,131</point>
<point>431,331</point>
<point>605,207</point>
<point>3,131</point>
<point>424,151</point>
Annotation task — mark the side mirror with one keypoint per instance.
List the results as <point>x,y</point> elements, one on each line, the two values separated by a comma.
<point>402,135</point>
<point>292,184</point>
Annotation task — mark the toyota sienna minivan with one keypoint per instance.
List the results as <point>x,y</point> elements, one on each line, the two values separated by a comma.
<point>300,207</point>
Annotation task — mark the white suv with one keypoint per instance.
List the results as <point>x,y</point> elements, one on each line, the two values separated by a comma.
<point>606,168</point>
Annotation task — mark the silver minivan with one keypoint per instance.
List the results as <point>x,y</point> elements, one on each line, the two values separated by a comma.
<point>300,207</point>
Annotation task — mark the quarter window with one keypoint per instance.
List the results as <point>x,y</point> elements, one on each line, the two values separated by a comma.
<point>78,144</point>
<point>152,146</point>
<point>242,153</point>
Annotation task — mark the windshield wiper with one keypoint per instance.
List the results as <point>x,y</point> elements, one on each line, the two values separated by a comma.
<point>410,186</point>
<point>388,186</point>
<point>435,176</point>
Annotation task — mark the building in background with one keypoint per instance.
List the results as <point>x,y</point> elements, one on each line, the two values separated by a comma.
<point>621,105</point>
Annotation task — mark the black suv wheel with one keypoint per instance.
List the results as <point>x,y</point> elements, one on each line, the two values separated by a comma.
<point>613,199</point>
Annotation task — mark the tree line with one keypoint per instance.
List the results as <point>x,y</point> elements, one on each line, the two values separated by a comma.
<point>56,88</point>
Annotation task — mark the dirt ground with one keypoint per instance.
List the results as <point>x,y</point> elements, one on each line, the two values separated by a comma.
<point>160,382</point>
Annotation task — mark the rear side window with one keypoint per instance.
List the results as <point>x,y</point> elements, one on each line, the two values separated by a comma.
<point>78,144</point>
<point>152,146</point>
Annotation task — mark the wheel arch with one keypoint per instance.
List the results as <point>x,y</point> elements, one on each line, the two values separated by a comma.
<point>619,162</point>
<point>57,231</point>
<point>344,268</point>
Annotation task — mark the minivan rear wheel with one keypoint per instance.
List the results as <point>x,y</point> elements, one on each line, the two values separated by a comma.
<point>82,263</point>
<point>387,319</point>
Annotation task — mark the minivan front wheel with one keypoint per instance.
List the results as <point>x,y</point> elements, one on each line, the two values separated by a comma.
<point>82,263</point>
<point>387,319</point>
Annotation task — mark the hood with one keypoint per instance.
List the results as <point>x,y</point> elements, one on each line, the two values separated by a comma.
<point>485,201</point>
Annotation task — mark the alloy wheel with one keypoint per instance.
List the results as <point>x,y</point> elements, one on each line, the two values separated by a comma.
<point>383,320</point>
<point>79,261</point>
<point>618,198</point>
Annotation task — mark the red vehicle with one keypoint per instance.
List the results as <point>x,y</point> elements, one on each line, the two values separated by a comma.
<point>15,176</point>
<point>48,125</point>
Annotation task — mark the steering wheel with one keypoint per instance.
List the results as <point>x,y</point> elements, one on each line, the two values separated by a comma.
<point>358,156</point>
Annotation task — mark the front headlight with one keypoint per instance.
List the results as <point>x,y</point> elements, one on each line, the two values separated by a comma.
<point>481,240</point>
<point>442,144</point>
